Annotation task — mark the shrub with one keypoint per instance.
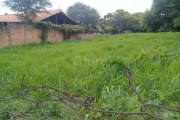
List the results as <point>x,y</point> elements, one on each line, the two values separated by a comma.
<point>67,30</point>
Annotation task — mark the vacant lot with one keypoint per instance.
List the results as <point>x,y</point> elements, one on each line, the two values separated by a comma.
<point>95,67</point>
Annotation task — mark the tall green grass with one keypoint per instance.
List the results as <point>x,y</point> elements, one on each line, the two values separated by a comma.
<point>95,67</point>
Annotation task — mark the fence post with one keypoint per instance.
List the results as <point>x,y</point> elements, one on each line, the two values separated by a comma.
<point>56,36</point>
<point>9,33</point>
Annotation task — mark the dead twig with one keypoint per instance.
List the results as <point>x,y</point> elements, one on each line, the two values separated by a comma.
<point>63,96</point>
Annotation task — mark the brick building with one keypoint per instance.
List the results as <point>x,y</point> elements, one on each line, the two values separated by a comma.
<point>55,16</point>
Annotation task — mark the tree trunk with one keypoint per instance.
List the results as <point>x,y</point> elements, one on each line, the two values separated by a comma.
<point>9,34</point>
<point>119,29</point>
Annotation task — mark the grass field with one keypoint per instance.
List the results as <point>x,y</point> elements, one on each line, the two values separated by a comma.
<point>95,67</point>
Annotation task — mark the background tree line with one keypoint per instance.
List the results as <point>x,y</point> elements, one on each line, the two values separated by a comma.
<point>111,23</point>
<point>120,21</point>
<point>163,16</point>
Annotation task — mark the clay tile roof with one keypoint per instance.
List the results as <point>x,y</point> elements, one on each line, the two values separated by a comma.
<point>9,18</point>
<point>40,16</point>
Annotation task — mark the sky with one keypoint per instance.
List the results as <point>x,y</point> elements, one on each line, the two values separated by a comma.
<point>103,6</point>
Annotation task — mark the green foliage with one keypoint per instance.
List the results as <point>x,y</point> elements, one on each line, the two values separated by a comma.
<point>45,28</point>
<point>106,23</point>
<point>162,16</point>
<point>27,9</point>
<point>108,29</point>
<point>176,22</point>
<point>68,30</point>
<point>147,20</point>
<point>90,30</point>
<point>102,31</point>
<point>120,21</point>
<point>83,14</point>
<point>138,25</point>
<point>153,58</point>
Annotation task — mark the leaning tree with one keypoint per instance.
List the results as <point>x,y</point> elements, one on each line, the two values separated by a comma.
<point>26,9</point>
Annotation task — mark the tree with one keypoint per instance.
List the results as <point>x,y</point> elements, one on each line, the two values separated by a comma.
<point>108,19</point>
<point>148,21</point>
<point>138,14</point>
<point>27,9</point>
<point>83,14</point>
<point>106,23</point>
<point>125,21</point>
<point>121,20</point>
<point>139,17</point>
<point>176,22</point>
<point>162,16</point>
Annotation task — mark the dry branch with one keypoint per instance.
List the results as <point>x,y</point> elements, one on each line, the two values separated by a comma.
<point>66,99</point>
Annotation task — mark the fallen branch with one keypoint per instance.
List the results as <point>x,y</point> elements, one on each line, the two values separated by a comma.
<point>66,99</point>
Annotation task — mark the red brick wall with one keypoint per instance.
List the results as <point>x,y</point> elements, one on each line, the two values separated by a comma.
<point>84,35</point>
<point>17,35</point>
<point>55,36</point>
<point>33,35</point>
<point>4,39</point>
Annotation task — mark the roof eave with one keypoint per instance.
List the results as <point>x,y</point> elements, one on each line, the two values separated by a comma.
<point>48,15</point>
